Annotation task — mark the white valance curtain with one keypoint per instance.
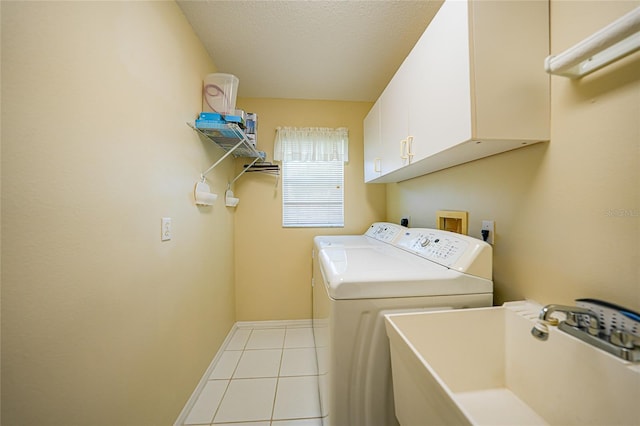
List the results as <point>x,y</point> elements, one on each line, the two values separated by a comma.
<point>311,144</point>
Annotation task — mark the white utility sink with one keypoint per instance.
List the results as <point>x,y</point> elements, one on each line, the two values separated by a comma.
<point>482,366</point>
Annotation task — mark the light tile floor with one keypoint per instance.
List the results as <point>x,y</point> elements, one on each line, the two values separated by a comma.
<point>266,376</point>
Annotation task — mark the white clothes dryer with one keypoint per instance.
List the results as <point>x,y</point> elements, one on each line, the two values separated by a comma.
<point>357,281</point>
<point>377,234</point>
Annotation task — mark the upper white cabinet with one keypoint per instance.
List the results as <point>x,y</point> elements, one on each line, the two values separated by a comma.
<point>372,146</point>
<point>471,87</point>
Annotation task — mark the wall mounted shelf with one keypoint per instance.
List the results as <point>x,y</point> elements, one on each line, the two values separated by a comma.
<point>231,138</point>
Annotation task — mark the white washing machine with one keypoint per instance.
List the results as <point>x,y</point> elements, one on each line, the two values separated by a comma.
<point>359,279</point>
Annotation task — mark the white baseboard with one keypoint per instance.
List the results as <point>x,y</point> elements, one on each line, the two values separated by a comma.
<point>203,381</point>
<point>274,324</point>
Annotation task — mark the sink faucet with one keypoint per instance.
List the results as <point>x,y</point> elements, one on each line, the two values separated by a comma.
<point>619,342</point>
<point>541,330</point>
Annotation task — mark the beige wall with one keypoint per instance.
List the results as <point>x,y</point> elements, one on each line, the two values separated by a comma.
<point>102,323</point>
<point>567,212</point>
<point>273,264</point>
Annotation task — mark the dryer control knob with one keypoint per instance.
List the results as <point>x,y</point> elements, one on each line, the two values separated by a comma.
<point>424,242</point>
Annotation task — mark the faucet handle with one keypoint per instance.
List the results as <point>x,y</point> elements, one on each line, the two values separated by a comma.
<point>588,321</point>
<point>573,319</point>
<point>624,339</point>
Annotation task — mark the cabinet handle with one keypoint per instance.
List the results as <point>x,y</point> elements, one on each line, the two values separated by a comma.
<point>377,165</point>
<point>410,143</point>
<point>403,149</point>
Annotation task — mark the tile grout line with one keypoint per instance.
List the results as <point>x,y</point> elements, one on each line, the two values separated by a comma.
<point>275,396</point>
<point>230,378</point>
<point>297,375</point>
<point>215,413</point>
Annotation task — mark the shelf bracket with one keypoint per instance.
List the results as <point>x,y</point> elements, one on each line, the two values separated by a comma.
<point>206,172</point>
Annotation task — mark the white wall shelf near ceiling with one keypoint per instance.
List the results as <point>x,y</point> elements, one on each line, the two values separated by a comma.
<point>611,43</point>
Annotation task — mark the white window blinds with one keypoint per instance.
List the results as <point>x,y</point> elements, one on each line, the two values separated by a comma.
<point>312,175</point>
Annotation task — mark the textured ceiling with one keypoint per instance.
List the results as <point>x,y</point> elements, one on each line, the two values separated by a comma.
<point>326,49</point>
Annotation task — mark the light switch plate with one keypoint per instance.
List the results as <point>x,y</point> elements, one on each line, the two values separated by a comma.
<point>166,229</point>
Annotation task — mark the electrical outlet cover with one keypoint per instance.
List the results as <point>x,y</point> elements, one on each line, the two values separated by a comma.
<point>489,225</point>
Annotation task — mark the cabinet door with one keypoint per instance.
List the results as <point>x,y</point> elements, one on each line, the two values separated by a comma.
<point>372,146</point>
<point>394,119</point>
<point>440,102</point>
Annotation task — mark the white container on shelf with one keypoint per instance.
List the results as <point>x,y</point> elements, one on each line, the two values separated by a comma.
<point>219,93</point>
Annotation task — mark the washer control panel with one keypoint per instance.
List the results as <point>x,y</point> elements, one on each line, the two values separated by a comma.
<point>454,251</point>
<point>383,231</point>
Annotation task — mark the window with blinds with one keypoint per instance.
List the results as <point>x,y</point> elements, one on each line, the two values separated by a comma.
<point>313,193</point>
<point>312,175</point>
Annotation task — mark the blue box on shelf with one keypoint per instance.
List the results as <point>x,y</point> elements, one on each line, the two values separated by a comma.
<point>234,119</point>
<point>210,116</point>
